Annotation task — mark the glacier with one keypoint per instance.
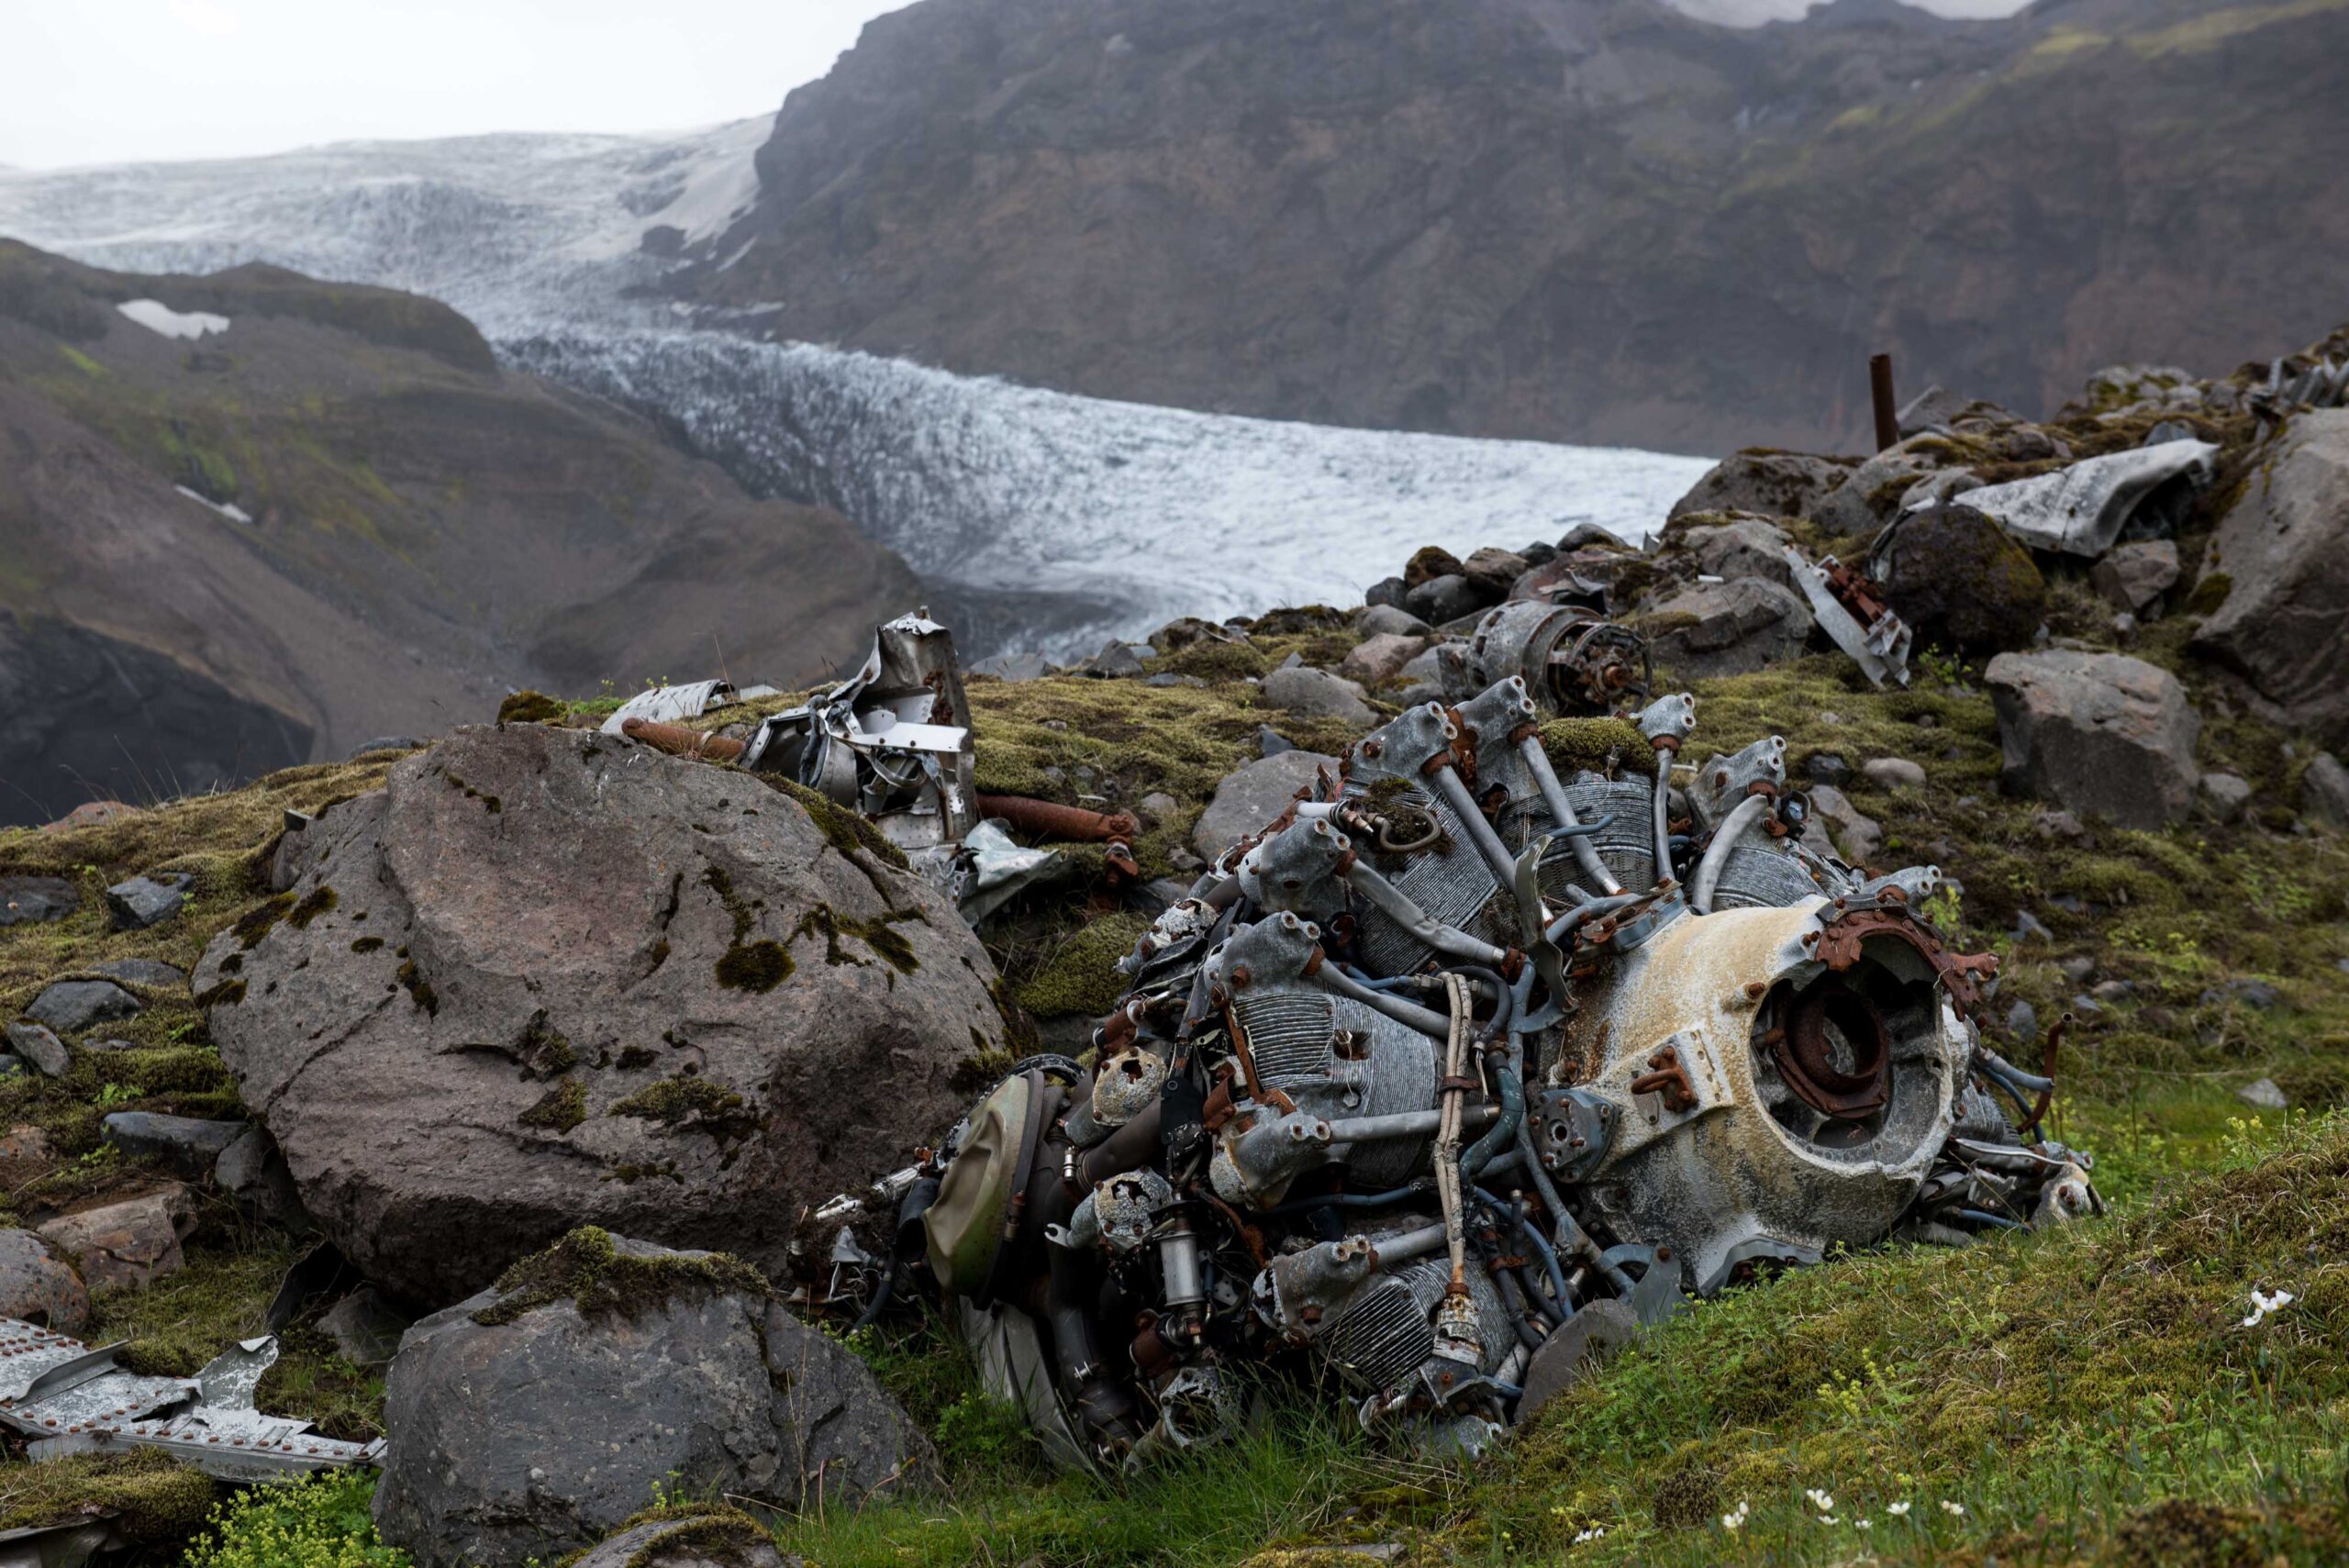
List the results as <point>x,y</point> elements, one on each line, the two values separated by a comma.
<point>1040,520</point>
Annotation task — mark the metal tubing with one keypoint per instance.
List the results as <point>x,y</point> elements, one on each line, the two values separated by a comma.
<point>1554,794</point>
<point>1397,903</point>
<point>1574,920</point>
<point>1404,1124</point>
<point>1480,832</point>
<point>1709,870</point>
<point>1048,819</point>
<point>1410,1013</point>
<point>1662,848</point>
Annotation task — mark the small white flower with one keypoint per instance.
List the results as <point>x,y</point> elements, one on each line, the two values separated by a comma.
<point>1594,1533</point>
<point>2263,1303</point>
<point>1950,1507</point>
<point>1735,1518</point>
<point>1865,1524</point>
<point>1828,1519</point>
<point>1897,1510</point>
<point>1821,1500</point>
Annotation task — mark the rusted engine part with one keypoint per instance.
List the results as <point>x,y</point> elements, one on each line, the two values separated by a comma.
<point>893,741</point>
<point>680,742</point>
<point>1572,662</point>
<point>69,1398</point>
<point>1048,819</point>
<point>1684,1049</point>
<point>1850,609</point>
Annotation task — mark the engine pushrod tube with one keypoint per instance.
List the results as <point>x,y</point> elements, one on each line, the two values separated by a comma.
<point>1554,794</point>
<point>1404,1124</point>
<point>1366,880</point>
<point>1708,874</point>
<point>1425,1020</point>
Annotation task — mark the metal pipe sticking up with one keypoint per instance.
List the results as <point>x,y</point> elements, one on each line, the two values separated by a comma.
<point>1887,413</point>
<point>1553,794</point>
<point>1366,880</point>
<point>1480,832</point>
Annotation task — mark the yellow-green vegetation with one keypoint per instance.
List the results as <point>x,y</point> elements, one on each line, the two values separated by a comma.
<point>588,1269</point>
<point>320,1522</point>
<point>1078,975</point>
<point>154,1501</point>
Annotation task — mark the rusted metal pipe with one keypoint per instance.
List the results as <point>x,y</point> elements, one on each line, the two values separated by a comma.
<point>1048,819</point>
<point>1887,415</point>
<point>680,742</point>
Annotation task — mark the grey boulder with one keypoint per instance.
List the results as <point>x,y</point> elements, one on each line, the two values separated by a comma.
<point>69,1007</point>
<point>254,1174</point>
<point>142,972</point>
<point>1960,579</point>
<point>40,1047</point>
<point>546,977</point>
<point>1317,694</point>
<point>1726,629</point>
<point>36,1288</point>
<point>2132,576</point>
<point>1378,658</point>
<point>2283,548</point>
<point>703,1537</point>
<point>1850,833</point>
<point>2225,796</point>
<point>1740,547</point>
<point>127,1244</point>
<point>1254,796</point>
<point>183,1145</point>
<point>528,1422</point>
<point>1772,483</point>
<point>1390,620</point>
<point>145,901</point>
<point>2099,734</point>
<point>31,900</point>
<point>2324,791</point>
<point>1441,600</point>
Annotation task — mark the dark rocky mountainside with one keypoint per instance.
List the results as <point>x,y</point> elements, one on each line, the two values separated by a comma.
<point>337,519</point>
<point>1583,219</point>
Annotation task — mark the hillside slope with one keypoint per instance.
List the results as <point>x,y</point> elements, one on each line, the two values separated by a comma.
<point>338,518</point>
<point>1566,219</point>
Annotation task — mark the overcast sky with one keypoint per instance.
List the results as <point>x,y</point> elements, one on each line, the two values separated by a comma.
<point>117,81</point>
<point>111,81</point>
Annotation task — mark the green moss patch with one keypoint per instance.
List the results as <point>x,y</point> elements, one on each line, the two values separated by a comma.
<point>155,1500</point>
<point>562,1108</point>
<point>689,1104</point>
<point>588,1270</point>
<point>1080,977</point>
<point>531,707</point>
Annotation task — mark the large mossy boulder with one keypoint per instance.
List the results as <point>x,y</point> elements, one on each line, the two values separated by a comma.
<point>547,977</point>
<point>1960,579</point>
<point>528,1421</point>
<point>2099,734</point>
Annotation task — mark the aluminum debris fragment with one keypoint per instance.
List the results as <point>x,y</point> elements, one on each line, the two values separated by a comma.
<point>893,741</point>
<point>1850,609</point>
<point>70,1399</point>
<point>1459,1072</point>
<point>2084,508</point>
<point>666,704</point>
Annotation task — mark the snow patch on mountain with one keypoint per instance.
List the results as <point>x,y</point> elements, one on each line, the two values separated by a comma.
<point>1041,520</point>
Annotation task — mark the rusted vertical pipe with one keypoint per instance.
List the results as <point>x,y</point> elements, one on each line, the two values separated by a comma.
<point>1888,416</point>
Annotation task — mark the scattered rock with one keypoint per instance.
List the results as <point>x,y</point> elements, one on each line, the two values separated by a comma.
<point>2060,825</point>
<point>594,983</point>
<point>2256,994</point>
<point>254,1174</point>
<point>674,1364</point>
<point>2023,1022</point>
<point>37,1045</point>
<point>2132,576</point>
<point>1726,629</point>
<point>1248,799</point>
<point>29,900</point>
<point>1960,579</point>
<point>1187,632</point>
<point>1429,562</point>
<point>1827,768</point>
<point>1773,484</point>
<point>1441,600</point>
<point>1378,658</point>
<point>1586,535</point>
<point>1390,620</point>
<point>91,813</point>
<point>2112,990</point>
<point>183,1145</point>
<point>1741,546</point>
<point>1168,678</point>
<point>2262,1093</point>
<point>365,1330</point>
<point>1856,836</point>
<point>2324,791</point>
<point>1271,742</point>
<point>1117,661</point>
<point>2100,733</point>
<point>2225,796</point>
<point>145,901</point>
<point>1157,806</point>
<point>69,1007</point>
<point>1893,773</point>
<point>1317,694</point>
<point>35,1288</point>
<point>2077,968</point>
<point>2030,927</point>
<point>1870,496</point>
<point>142,972</point>
<point>1386,591</point>
<point>2283,553</point>
<point>1491,571</point>
<point>127,1243</point>
<point>25,1153</point>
